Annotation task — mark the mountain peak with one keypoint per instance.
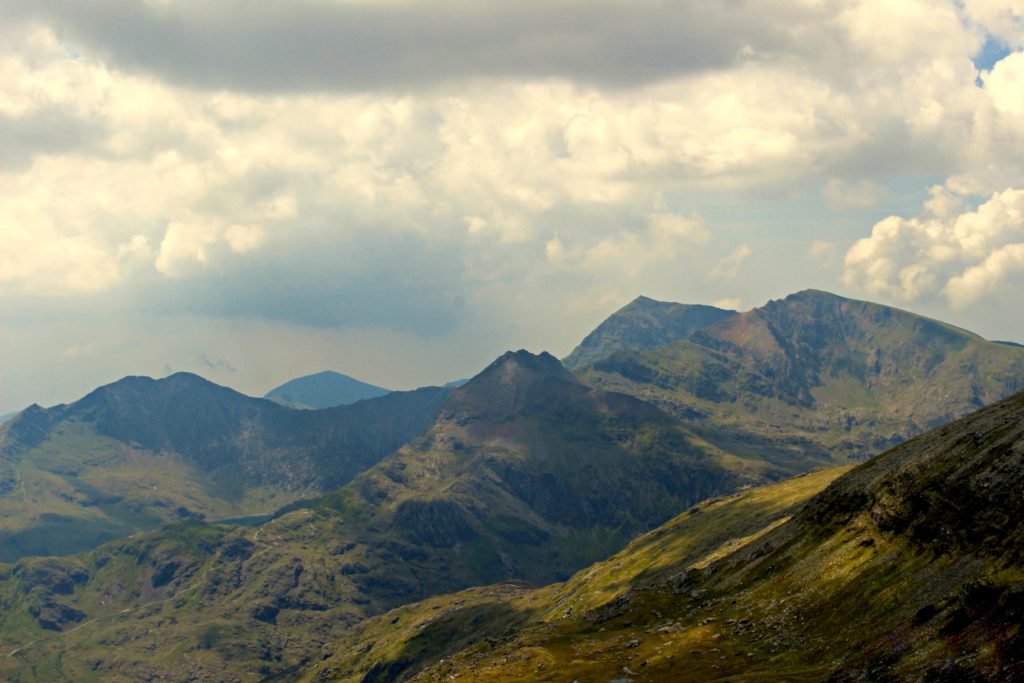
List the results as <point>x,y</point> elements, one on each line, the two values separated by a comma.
<point>644,324</point>
<point>325,389</point>
<point>517,381</point>
<point>518,365</point>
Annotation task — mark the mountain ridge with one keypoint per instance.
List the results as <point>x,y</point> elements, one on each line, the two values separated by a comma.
<point>907,567</point>
<point>139,452</point>
<point>817,373</point>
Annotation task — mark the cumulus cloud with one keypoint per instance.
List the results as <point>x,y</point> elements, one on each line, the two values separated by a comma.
<point>951,248</point>
<point>419,166</point>
<point>1005,83</point>
<point>729,267</point>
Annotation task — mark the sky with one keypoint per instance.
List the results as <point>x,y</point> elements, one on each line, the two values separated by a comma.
<point>401,190</point>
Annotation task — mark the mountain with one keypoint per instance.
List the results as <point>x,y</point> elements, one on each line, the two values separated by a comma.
<point>814,375</point>
<point>7,417</point>
<point>141,452</point>
<point>644,324</point>
<point>525,474</point>
<point>907,567</point>
<point>323,390</point>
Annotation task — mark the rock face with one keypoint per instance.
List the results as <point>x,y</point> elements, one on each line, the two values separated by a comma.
<point>816,375</point>
<point>323,390</point>
<point>140,452</point>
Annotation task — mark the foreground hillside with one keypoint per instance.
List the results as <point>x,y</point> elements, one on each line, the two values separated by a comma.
<point>140,452</point>
<point>814,376</point>
<point>908,567</point>
<point>525,474</point>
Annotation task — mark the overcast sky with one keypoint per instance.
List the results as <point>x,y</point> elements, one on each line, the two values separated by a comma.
<point>401,190</point>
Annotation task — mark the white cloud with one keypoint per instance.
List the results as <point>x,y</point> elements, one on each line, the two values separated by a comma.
<point>1005,83</point>
<point>729,267</point>
<point>574,172</point>
<point>1002,18</point>
<point>730,304</point>
<point>982,279</point>
<point>951,248</point>
<point>823,251</point>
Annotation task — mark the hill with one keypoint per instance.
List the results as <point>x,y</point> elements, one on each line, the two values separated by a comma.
<point>815,375</point>
<point>644,324</point>
<point>525,474</point>
<point>141,452</point>
<point>323,390</point>
<point>908,567</point>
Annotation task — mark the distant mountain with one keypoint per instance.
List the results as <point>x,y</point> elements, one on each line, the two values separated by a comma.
<point>907,568</point>
<point>140,452</point>
<point>525,474</point>
<point>323,390</point>
<point>815,375</point>
<point>7,417</point>
<point>644,324</point>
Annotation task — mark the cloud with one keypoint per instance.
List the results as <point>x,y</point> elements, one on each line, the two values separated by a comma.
<point>310,45</point>
<point>1005,83</point>
<point>954,249</point>
<point>729,304</point>
<point>823,251</point>
<point>216,364</point>
<point>729,267</point>
<point>487,173</point>
<point>840,193</point>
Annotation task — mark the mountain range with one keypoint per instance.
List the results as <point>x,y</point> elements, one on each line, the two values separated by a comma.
<point>908,567</point>
<point>416,527</point>
<point>140,452</point>
<point>813,374</point>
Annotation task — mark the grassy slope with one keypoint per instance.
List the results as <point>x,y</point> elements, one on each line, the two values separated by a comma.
<point>406,639</point>
<point>910,567</point>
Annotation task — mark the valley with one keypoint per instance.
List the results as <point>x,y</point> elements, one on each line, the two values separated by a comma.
<point>704,501</point>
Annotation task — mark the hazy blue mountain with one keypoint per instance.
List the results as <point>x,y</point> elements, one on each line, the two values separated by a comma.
<point>323,390</point>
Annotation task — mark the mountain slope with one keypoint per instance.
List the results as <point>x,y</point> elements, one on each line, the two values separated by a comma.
<point>141,452</point>
<point>525,474</point>
<point>323,390</point>
<point>644,324</point>
<point>908,567</point>
<point>405,640</point>
<point>817,375</point>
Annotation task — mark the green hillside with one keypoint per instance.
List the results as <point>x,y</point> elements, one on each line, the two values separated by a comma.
<point>140,452</point>
<point>908,567</point>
